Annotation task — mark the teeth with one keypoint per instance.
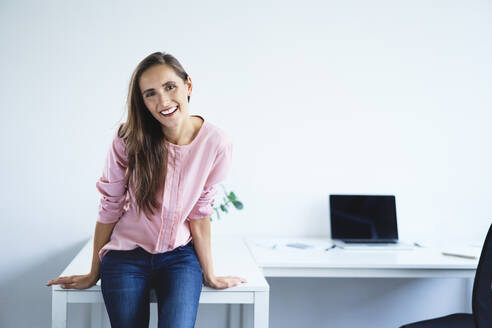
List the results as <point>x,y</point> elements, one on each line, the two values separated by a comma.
<point>169,111</point>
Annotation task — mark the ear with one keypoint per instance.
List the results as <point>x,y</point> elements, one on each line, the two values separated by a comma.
<point>190,85</point>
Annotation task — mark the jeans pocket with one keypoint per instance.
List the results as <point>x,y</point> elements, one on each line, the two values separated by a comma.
<point>116,257</point>
<point>106,257</point>
<point>188,252</point>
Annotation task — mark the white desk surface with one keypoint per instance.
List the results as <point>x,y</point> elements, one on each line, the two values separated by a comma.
<point>230,257</point>
<point>283,261</point>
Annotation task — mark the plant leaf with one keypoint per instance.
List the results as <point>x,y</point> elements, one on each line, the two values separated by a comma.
<point>238,205</point>
<point>232,196</point>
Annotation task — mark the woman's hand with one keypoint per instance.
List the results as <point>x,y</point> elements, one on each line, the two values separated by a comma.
<point>74,282</point>
<point>224,282</point>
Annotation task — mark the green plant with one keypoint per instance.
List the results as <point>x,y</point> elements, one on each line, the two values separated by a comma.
<point>229,198</point>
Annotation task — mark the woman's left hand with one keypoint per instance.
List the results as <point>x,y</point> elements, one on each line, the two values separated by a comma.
<point>224,282</point>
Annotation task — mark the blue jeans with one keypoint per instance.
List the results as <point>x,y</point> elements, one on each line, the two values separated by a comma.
<point>128,276</point>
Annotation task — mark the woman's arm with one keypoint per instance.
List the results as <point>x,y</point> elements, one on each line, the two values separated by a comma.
<point>200,232</point>
<point>102,235</point>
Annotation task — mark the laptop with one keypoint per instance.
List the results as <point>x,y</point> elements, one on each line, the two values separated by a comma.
<point>365,222</point>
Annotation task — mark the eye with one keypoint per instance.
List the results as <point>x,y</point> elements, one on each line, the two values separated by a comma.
<point>149,94</point>
<point>170,87</point>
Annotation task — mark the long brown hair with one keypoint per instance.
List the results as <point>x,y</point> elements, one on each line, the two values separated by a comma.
<point>142,133</point>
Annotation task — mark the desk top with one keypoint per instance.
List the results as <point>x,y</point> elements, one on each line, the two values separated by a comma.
<point>230,257</point>
<point>282,260</point>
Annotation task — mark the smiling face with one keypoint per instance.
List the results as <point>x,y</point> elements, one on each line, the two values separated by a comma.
<point>165,95</point>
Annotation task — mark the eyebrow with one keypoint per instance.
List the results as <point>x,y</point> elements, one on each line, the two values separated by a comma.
<point>152,89</point>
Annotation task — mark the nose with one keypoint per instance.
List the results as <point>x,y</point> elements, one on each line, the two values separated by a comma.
<point>162,99</point>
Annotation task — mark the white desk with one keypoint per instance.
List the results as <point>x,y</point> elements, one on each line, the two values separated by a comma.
<point>231,257</point>
<point>283,261</point>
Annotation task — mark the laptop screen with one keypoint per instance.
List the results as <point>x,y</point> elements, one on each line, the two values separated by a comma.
<point>363,218</point>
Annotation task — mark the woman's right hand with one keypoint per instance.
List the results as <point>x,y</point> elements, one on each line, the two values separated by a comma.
<point>74,282</point>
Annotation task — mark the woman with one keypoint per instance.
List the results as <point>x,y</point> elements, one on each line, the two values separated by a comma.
<point>157,186</point>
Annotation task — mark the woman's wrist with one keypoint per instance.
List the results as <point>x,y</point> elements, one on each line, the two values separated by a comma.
<point>94,276</point>
<point>209,278</point>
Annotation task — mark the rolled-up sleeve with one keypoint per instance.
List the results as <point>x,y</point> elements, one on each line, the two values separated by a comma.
<point>203,207</point>
<point>113,184</point>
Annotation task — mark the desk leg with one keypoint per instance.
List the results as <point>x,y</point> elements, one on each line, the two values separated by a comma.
<point>58,309</point>
<point>261,309</point>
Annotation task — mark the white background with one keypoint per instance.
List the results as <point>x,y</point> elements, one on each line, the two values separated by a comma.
<point>318,97</point>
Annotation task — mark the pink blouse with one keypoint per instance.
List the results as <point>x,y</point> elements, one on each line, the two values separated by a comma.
<point>193,171</point>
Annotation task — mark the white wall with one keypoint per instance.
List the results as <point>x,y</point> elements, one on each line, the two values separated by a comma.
<point>319,97</point>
